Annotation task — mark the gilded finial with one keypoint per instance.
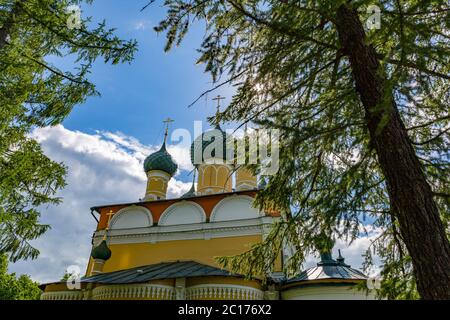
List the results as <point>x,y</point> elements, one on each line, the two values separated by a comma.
<point>109,215</point>
<point>168,121</point>
<point>218,99</point>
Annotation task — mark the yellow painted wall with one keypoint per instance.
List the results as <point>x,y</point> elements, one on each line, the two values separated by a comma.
<point>157,182</point>
<point>125,256</point>
<point>214,177</point>
<point>89,266</point>
<point>245,176</point>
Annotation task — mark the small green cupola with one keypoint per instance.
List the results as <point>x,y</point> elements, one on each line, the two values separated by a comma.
<point>162,161</point>
<point>160,168</point>
<point>101,252</point>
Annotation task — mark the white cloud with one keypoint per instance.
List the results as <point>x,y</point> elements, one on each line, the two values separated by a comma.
<point>179,152</point>
<point>352,252</point>
<point>182,156</point>
<point>177,188</point>
<point>104,168</point>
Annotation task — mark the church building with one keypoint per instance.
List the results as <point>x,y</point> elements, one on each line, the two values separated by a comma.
<point>165,249</point>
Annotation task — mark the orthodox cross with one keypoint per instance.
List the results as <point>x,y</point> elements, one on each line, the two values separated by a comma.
<point>167,122</point>
<point>109,215</point>
<point>218,99</point>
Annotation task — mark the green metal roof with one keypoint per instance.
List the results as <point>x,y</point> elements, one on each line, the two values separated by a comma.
<point>161,160</point>
<point>329,272</point>
<point>165,270</point>
<point>328,268</point>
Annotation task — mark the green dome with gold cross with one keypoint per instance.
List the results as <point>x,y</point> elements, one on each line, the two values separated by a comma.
<point>161,160</point>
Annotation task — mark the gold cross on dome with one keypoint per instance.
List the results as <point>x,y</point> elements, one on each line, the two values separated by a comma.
<point>168,121</point>
<point>218,99</point>
<point>109,215</point>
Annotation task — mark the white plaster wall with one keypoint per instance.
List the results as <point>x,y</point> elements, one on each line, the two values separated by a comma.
<point>182,213</point>
<point>132,217</point>
<point>325,293</point>
<point>235,208</point>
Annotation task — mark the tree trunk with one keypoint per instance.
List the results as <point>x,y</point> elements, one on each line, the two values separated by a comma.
<point>411,197</point>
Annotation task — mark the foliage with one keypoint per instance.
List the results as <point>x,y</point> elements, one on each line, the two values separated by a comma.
<point>13,288</point>
<point>34,92</point>
<point>286,62</point>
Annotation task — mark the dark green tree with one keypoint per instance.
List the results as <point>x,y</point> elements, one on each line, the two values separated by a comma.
<point>364,120</point>
<point>36,93</point>
<point>13,288</point>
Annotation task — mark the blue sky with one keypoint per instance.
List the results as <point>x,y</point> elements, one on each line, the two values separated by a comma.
<point>137,97</point>
<point>105,141</point>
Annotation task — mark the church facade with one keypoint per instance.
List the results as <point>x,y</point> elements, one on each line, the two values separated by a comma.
<point>165,249</point>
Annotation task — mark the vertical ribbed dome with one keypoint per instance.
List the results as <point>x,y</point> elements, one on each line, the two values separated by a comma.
<point>207,138</point>
<point>161,160</point>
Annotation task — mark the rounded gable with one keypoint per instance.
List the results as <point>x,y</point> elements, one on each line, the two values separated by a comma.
<point>132,217</point>
<point>235,208</point>
<point>185,212</point>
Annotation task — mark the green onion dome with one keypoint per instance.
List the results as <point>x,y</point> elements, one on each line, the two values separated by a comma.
<point>161,160</point>
<point>207,138</point>
<point>101,252</point>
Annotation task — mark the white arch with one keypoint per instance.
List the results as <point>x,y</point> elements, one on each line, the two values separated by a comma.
<point>235,208</point>
<point>132,217</point>
<point>185,212</point>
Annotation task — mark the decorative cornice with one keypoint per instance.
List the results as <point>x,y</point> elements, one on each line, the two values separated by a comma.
<point>198,231</point>
<point>225,194</point>
<point>158,173</point>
